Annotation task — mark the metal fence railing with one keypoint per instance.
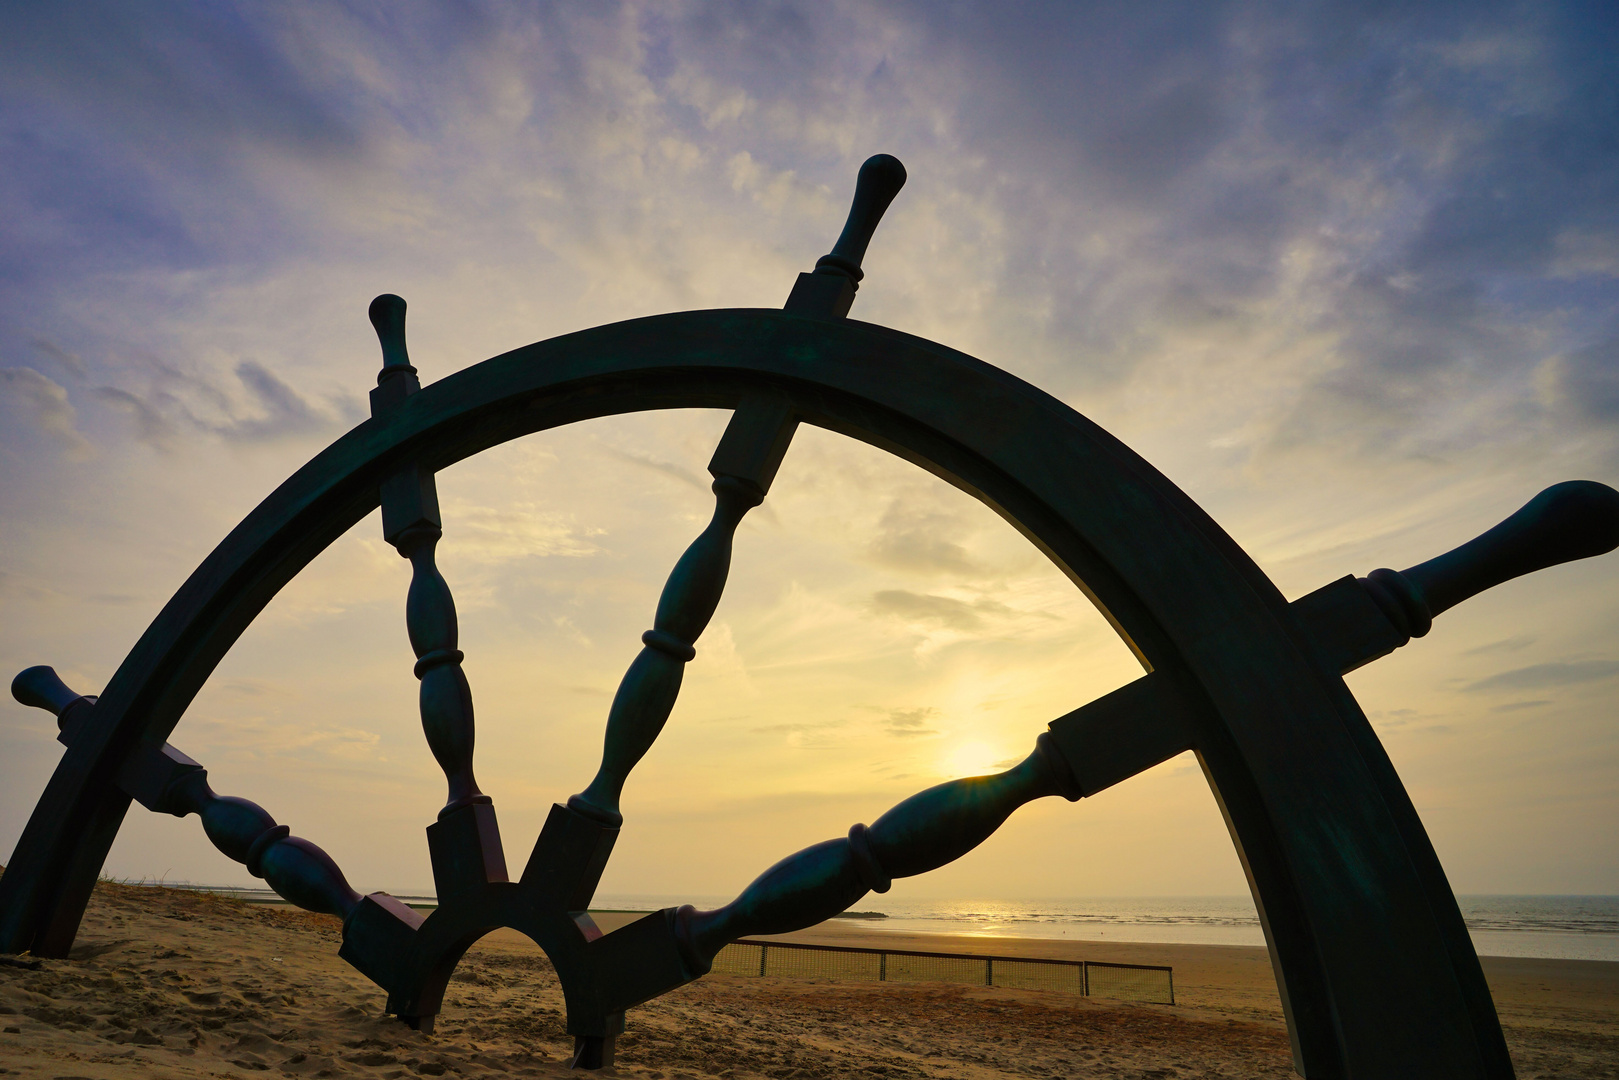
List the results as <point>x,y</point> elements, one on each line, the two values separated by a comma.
<point>1125,982</point>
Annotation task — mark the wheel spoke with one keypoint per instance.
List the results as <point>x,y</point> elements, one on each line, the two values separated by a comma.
<point>446,697</point>
<point>1091,748</point>
<point>745,462</point>
<point>743,466</point>
<point>167,781</point>
<point>295,868</point>
<point>412,524</point>
<point>922,833</point>
<point>465,841</point>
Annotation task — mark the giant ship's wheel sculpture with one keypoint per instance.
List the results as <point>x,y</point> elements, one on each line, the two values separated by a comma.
<point>1377,974</point>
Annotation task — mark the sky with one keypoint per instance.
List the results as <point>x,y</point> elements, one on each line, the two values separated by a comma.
<point>1346,273</point>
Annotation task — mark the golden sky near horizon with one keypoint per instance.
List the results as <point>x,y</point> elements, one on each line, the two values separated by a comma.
<point>1318,285</point>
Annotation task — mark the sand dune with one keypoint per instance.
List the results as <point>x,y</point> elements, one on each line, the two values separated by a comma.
<point>166,983</point>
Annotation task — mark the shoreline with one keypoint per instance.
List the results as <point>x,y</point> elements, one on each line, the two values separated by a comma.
<point>1551,942</point>
<point>875,932</point>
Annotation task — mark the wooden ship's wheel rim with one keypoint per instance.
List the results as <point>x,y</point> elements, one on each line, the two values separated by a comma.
<point>1376,970</point>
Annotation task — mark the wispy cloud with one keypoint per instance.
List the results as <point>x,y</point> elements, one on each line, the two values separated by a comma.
<point>44,402</point>
<point>151,426</point>
<point>922,540</point>
<point>259,407</point>
<point>948,612</point>
<point>911,723</point>
<point>281,411</point>
<point>657,465</point>
<point>1549,676</point>
<point>1511,644</point>
<point>71,362</point>
<point>492,535</point>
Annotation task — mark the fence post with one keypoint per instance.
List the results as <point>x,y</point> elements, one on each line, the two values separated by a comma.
<point>1085,978</point>
<point>882,967</point>
<point>989,973</point>
<point>1172,986</point>
<point>762,950</point>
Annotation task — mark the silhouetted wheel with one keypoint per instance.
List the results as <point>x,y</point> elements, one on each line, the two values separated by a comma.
<point>1378,976</point>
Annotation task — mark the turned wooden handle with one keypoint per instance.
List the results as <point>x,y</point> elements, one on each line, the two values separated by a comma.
<point>41,688</point>
<point>647,693</point>
<point>296,869</point>
<point>411,522</point>
<point>922,833</point>
<point>943,823</point>
<point>1568,521</point>
<point>879,181</point>
<point>445,698</point>
<point>388,316</point>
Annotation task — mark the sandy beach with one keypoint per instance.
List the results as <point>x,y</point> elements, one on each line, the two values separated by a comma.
<point>168,983</point>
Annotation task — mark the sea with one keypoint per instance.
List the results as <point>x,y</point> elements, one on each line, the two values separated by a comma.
<point>1551,927</point>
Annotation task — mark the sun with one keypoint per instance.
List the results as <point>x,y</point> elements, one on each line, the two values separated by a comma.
<point>972,758</point>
